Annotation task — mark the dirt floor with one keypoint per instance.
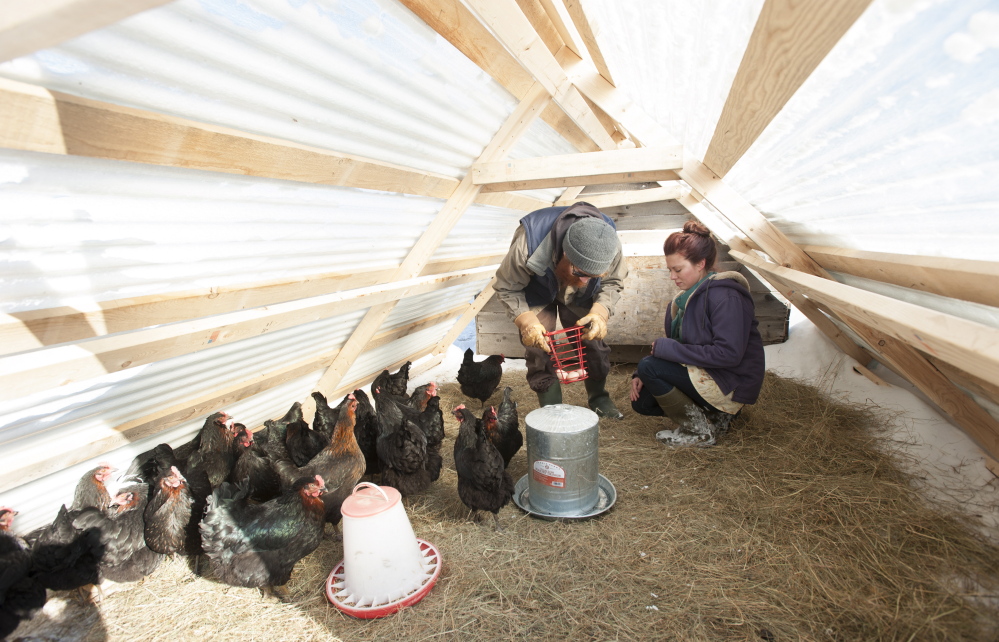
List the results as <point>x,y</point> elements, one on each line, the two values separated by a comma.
<point>798,525</point>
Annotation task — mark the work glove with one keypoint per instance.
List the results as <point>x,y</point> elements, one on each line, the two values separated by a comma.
<point>532,333</point>
<point>597,322</point>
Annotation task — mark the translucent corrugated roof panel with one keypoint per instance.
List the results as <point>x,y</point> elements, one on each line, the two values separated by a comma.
<point>362,77</point>
<point>891,144</point>
<point>88,229</point>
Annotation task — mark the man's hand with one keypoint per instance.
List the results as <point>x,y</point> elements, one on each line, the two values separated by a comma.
<point>532,333</point>
<point>597,322</point>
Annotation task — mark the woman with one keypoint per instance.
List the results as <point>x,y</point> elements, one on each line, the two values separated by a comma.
<point>711,362</point>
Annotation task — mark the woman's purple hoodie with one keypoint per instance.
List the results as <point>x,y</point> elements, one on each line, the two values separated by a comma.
<point>720,334</point>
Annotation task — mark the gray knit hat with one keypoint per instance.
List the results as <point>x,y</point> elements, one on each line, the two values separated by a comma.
<point>590,244</point>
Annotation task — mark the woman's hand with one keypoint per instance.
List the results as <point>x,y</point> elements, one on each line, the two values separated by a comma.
<point>636,387</point>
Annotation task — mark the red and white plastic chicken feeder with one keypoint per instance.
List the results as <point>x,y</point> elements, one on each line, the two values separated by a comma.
<point>385,567</point>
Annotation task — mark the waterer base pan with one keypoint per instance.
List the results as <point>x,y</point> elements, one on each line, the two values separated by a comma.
<point>334,585</point>
<point>606,496</point>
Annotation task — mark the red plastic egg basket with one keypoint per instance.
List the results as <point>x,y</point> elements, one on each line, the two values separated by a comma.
<point>567,353</point>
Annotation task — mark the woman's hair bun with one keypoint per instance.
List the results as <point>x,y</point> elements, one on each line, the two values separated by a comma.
<point>695,227</point>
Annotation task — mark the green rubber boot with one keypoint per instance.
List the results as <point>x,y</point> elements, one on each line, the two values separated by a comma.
<point>693,426</point>
<point>599,399</point>
<point>551,396</point>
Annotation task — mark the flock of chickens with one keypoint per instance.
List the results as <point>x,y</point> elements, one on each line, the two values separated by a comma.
<point>254,504</point>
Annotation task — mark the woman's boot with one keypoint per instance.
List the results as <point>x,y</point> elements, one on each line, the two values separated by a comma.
<point>693,426</point>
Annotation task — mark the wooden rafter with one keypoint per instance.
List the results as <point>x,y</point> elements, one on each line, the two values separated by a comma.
<point>900,332</point>
<point>589,30</point>
<point>514,127</point>
<point>29,372</point>
<point>965,344</point>
<point>789,41</point>
<point>27,27</point>
<point>507,21</point>
<point>21,331</point>
<point>468,315</point>
<point>456,24</point>
<point>37,119</point>
<point>594,168</point>
<point>672,191</point>
<point>536,13</point>
<point>975,281</point>
<point>560,19</point>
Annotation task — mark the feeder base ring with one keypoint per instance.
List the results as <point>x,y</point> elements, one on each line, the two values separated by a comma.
<point>380,610</point>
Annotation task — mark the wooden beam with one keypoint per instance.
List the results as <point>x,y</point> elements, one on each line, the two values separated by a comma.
<point>789,41</point>
<point>569,195</point>
<point>967,345</point>
<point>560,19</point>
<point>28,372</point>
<point>467,317</point>
<point>595,168</point>
<point>36,119</point>
<point>589,30</point>
<point>21,331</point>
<point>968,280</point>
<point>513,128</point>
<point>504,18</point>
<point>536,14</point>
<point>459,26</point>
<point>910,363</point>
<point>27,27</point>
<point>671,192</point>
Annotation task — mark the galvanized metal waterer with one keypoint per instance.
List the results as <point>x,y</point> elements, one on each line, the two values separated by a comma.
<point>563,479</point>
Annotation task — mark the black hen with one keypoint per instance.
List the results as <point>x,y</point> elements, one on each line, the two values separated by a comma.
<point>366,431</point>
<point>126,556</point>
<point>65,558</point>
<point>401,447</point>
<point>479,379</point>
<point>20,595</point>
<point>483,482</point>
<point>167,515</point>
<point>393,384</point>
<point>257,545</point>
<point>91,490</point>
<point>503,427</point>
<point>303,443</point>
<point>252,468</point>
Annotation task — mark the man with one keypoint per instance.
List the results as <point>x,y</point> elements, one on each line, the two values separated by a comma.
<point>564,261</point>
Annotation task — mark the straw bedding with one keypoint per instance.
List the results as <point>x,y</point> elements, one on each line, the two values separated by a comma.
<point>799,524</point>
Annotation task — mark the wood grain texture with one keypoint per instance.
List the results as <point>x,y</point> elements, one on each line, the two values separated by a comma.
<point>21,331</point>
<point>899,333</point>
<point>27,27</point>
<point>29,372</point>
<point>596,168</point>
<point>789,41</point>
<point>456,24</point>
<point>975,281</point>
<point>589,31</point>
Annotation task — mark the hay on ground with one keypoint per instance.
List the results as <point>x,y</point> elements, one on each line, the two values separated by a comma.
<point>799,524</point>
